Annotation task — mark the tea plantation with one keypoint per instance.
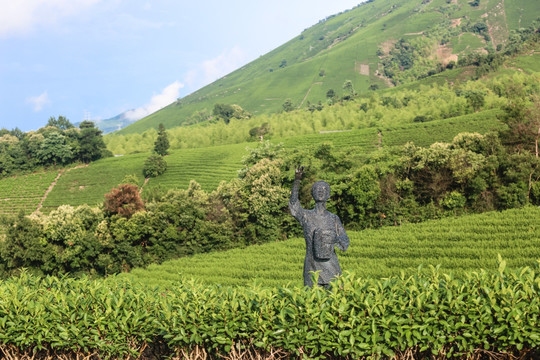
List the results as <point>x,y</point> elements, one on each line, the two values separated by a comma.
<point>458,245</point>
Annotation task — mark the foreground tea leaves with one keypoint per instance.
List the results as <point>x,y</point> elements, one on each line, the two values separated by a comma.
<point>430,314</point>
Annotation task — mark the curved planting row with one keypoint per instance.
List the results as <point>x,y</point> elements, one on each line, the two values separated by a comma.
<point>458,245</point>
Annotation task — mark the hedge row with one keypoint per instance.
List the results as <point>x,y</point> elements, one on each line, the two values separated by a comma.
<point>422,316</point>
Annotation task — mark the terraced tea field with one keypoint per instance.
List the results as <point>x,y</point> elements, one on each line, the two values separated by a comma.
<point>425,134</point>
<point>24,192</point>
<point>207,166</point>
<point>88,185</point>
<point>458,245</point>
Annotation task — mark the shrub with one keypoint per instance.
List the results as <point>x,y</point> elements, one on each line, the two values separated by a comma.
<point>154,165</point>
<point>453,201</point>
<point>124,200</point>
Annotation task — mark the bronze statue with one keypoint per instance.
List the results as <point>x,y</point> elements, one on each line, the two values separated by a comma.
<point>322,231</point>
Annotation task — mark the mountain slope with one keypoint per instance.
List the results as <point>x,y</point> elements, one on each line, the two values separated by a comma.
<point>354,45</point>
<point>115,123</point>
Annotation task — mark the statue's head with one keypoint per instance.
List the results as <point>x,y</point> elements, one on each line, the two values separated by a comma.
<point>320,191</point>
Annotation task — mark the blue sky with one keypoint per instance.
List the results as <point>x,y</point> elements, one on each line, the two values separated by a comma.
<point>94,59</point>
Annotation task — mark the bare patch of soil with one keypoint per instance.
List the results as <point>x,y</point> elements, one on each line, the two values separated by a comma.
<point>444,54</point>
<point>387,46</point>
<point>362,69</point>
<point>456,22</point>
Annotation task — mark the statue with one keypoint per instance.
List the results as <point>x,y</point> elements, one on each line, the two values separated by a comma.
<point>322,231</point>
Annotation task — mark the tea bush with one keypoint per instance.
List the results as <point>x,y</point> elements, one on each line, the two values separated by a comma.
<point>428,314</point>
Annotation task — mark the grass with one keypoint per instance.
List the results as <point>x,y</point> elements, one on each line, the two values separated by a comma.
<point>466,41</point>
<point>529,63</point>
<point>520,13</point>
<point>458,245</point>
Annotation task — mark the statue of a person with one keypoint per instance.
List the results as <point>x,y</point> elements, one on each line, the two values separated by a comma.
<point>322,231</point>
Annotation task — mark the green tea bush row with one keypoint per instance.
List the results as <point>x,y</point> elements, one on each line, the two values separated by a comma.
<point>430,314</point>
<point>459,245</point>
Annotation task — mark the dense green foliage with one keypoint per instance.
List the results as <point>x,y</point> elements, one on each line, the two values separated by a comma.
<point>385,185</point>
<point>458,245</point>
<point>440,148</point>
<point>59,143</point>
<point>209,166</point>
<point>428,314</point>
<point>473,173</point>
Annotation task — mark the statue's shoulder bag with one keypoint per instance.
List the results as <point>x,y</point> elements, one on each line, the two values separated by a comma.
<point>323,243</point>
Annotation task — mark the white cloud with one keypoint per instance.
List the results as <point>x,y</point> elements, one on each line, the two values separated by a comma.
<point>167,96</point>
<point>39,101</point>
<point>213,69</point>
<point>23,16</point>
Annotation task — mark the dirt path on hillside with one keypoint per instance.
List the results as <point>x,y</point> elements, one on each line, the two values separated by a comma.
<point>307,94</point>
<point>51,187</point>
<point>498,31</point>
<point>145,182</point>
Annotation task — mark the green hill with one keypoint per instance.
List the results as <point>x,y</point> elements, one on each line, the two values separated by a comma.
<point>363,45</point>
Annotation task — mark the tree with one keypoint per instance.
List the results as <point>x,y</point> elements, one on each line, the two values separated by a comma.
<point>288,105</point>
<point>91,144</point>
<point>523,132</point>
<point>61,123</point>
<point>475,99</point>
<point>124,200</point>
<point>260,131</point>
<point>223,111</point>
<point>54,149</point>
<point>349,90</point>
<point>330,94</point>
<point>23,245</point>
<point>161,146</point>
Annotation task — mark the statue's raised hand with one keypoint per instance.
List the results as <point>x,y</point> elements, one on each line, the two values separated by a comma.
<point>299,173</point>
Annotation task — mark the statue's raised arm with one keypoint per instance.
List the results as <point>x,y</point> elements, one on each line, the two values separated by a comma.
<point>294,203</point>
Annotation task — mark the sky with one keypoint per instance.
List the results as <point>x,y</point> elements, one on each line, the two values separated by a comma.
<point>95,59</point>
